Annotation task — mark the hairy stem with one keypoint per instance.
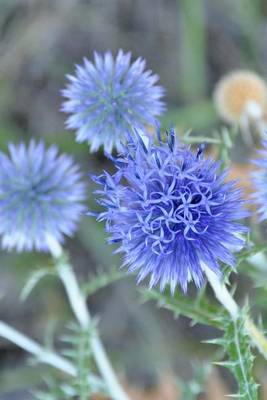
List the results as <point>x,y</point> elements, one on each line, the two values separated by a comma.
<point>80,310</point>
<point>240,361</point>
<point>225,298</point>
<point>222,294</point>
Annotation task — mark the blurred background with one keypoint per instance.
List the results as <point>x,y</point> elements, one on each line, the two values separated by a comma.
<point>190,44</point>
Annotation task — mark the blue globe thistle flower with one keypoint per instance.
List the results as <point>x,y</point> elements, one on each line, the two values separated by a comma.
<point>40,194</point>
<point>110,96</point>
<point>171,211</point>
<point>259,178</point>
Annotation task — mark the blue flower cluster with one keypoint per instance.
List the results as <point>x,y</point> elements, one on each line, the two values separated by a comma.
<point>110,96</point>
<point>171,211</point>
<point>41,194</point>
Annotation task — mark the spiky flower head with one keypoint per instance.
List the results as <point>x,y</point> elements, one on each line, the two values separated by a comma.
<point>171,212</point>
<point>241,93</point>
<point>259,180</point>
<point>109,96</point>
<point>41,194</point>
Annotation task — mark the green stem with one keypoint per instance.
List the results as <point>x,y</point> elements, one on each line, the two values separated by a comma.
<point>80,310</point>
<point>43,355</point>
<point>240,361</point>
<point>225,298</point>
<point>221,293</point>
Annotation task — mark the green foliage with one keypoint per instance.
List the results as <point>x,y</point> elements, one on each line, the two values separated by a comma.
<point>34,278</point>
<point>199,309</point>
<point>248,16</point>
<point>93,237</point>
<point>80,354</point>
<point>236,341</point>
<point>237,344</point>
<point>249,251</point>
<point>253,262</point>
<point>195,387</point>
<point>200,115</point>
<point>78,350</point>
<point>245,20</point>
<point>101,280</point>
<point>188,138</point>
<point>55,391</point>
<point>95,283</point>
<point>193,82</point>
<point>227,139</point>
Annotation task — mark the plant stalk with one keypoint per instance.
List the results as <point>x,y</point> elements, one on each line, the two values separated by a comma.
<point>222,294</point>
<point>43,355</point>
<point>80,310</point>
<point>225,298</point>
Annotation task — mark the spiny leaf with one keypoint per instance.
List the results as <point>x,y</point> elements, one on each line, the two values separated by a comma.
<point>79,351</point>
<point>235,340</point>
<point>198,309</point>
<point>103,279</point>
<point>237,344</point>
<point>34,278</point>
<point>56,391</point>
<point>250,250</point>
<point>257,335</point>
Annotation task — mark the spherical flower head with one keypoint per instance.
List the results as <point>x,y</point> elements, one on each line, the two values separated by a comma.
<point>41,194</point>
<point>239,94</point>
<point>110,96</point>
<point>171,211</point>
<point>259,180</point>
